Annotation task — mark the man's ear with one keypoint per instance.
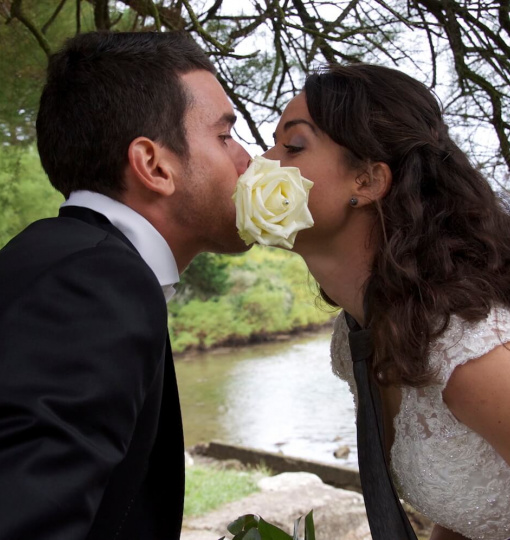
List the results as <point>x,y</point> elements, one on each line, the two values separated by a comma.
<point>373,184</point>
<point>154,166</point>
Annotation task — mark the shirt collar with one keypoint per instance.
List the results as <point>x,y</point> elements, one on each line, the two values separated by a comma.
<point>152,247</point>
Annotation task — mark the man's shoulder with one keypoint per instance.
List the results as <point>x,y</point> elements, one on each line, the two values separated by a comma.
<point>56,245</point>
<point>55,238</point>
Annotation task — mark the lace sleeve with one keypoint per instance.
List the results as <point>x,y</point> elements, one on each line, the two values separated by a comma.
<point>341,361</point>
<point>463,341</point>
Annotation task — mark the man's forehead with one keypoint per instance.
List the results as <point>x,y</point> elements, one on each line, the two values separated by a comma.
<point>208,99</point>
<point>211,118</point>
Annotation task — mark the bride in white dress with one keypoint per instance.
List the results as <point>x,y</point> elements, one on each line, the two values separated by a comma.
<point>399,211</point>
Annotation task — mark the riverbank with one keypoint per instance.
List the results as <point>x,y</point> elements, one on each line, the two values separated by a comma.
<point>264,294</point>
<point>339,513</point>
<point>233,342</point>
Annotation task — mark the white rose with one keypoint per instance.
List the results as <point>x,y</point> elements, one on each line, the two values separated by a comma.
<point>272,203</point>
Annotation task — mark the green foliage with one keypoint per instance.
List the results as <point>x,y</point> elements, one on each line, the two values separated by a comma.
<point>25,192</point>
<point>205,277</point>
<point>253,527</point>
<point>208,488</point>
<point>23,65</point>
<point>269,292</point>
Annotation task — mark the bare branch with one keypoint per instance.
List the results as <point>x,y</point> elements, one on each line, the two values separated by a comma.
<point>18,13</point>
<point>53,16</point>
<point>205,35</point>
<point>310,26</point>
<point>154,14</point>
<point>169,17</point>
<point>244,111</point>
<point>101,15</point>
<point>78,16</point>
<point>504,20</point>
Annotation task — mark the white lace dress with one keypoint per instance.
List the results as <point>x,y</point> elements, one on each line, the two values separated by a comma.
<point>442,468</point>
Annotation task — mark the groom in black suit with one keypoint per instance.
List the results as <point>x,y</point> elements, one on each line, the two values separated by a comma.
<point>134,131</point>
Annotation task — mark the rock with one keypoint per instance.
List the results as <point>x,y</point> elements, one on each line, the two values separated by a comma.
<point>286,481</point>
<point>188,459</point>
<point>338,514</point>
<point>342,452</point>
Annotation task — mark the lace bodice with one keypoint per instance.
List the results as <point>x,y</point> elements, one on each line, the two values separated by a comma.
<point>442,468</point>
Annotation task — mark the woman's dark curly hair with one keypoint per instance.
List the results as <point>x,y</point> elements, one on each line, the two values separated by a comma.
<point>445,236</point>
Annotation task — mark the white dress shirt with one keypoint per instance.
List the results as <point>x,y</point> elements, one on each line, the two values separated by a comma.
<point>152,247</point>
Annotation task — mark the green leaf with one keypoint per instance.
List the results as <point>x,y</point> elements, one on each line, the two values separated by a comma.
<point>252,534</point>
<point>253,527</point>
<point>309,526</point>
<point>295,536</point>
<point>243,523</point>
<point>271,532</point>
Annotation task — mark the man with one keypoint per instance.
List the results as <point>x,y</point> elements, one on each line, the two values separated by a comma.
<point>134,130</point>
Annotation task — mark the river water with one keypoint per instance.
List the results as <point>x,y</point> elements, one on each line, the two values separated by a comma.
<point>279,397</point>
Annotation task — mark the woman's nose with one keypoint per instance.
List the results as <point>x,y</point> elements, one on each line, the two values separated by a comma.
<point>270,154</point>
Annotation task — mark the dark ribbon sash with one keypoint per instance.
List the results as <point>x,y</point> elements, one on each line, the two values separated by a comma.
<point>386,517</point>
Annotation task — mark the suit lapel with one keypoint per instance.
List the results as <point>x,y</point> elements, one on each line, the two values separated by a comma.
<point>160,503</point>
<point>96,219</point>
<point>165,478</point>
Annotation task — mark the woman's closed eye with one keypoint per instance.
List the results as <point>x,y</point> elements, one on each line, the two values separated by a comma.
<point>296,143</point>
<point>292,149</point>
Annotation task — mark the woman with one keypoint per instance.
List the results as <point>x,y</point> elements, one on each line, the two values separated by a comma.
<point>408,230</point>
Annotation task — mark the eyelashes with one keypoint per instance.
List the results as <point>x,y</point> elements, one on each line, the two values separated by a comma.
<point>225,138</point>
<point>291,149</point>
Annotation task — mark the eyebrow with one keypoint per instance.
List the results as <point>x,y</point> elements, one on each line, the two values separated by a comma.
<point>295,122</point>
<point>228,119</point>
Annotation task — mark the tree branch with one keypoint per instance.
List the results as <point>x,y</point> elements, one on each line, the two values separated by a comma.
<point>236,100</point>
<point>18,13</point>
<point>155,14</point>
<point>78,16</point>
<point>170,17</point>
<point>101,15</point>
<point>53,17</point>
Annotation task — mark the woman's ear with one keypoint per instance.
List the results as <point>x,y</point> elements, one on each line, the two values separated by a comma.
<point>373,184</point>
<point>153,165</point>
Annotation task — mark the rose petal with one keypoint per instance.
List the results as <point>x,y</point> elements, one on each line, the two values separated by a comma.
<point>261,213</point>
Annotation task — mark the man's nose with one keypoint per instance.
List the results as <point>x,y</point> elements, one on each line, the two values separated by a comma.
<point>240,157</point>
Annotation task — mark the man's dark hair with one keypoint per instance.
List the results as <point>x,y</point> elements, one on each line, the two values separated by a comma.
<point>105,89</point>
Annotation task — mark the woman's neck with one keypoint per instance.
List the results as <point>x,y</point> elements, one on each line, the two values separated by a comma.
<point>342,266</point>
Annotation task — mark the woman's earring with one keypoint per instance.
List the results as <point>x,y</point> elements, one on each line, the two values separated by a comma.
<point>353,201</point>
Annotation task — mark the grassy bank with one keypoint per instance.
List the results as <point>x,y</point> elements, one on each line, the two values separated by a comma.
<point>269,292</point>
<point>209,487</point>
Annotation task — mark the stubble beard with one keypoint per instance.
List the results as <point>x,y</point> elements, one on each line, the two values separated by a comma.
<point>212,217</point>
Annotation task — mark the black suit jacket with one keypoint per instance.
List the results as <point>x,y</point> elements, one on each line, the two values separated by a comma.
<point>91,443</point>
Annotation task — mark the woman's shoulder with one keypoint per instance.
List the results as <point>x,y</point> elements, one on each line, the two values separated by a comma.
<point>463,341</point>
<point>341,361</point>
<point>340,351</point>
